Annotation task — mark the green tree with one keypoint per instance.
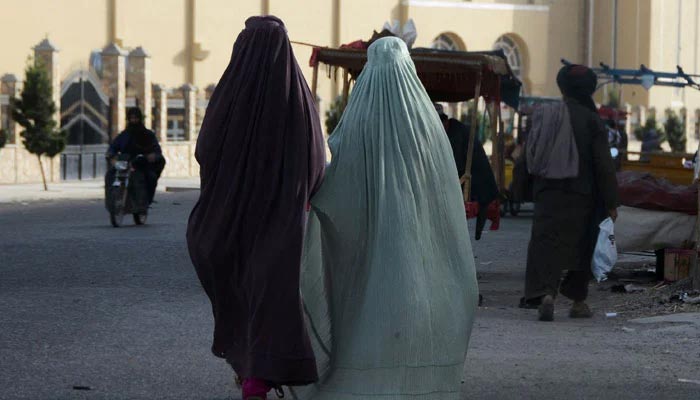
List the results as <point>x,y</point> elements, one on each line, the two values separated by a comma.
<point>650,125</point>
<point>34,110</point>
<point>674,130</point>
<point>333,114</point>
<point>3,138</point>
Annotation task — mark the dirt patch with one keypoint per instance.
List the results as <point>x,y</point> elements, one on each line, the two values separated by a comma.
<point>633,292</point>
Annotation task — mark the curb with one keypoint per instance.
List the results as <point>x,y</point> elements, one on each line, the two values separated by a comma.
<point>179,189</point>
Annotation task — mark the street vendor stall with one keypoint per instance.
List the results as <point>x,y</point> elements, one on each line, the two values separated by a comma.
<point>448,76</point>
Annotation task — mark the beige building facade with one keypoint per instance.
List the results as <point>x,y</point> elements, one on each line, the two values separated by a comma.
<point>169,53</point>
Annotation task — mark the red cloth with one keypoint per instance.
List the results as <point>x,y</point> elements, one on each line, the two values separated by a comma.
<point>607,113</point>
<point>314,57</point>
<point>642,190</point>
<point>357,44</point>
<point>493,214</point>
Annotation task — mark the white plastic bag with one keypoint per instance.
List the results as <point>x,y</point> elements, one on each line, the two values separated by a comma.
<point>605,254</point>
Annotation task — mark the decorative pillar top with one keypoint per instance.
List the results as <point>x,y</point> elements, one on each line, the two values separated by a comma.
<point>9,78</point>
<point>187,87</point>
<point>113,49</point>
<point>46,46</point>
<point>139,52</point>
<point>210,90</point>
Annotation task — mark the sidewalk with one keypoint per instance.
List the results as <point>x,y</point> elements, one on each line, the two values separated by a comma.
<point>80,190</point>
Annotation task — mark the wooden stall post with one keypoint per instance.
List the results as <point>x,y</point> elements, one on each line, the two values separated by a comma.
<point>346,87</point>
<point>500,134</point>
<point>314,83</point>
<point>494,119</point>
<point>467,178</point>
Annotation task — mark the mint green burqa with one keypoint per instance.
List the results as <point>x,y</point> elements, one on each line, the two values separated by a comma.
<point>388,277</point>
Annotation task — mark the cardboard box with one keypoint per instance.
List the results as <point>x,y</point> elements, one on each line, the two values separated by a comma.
<point>695,277</point>
<point>677,263</point>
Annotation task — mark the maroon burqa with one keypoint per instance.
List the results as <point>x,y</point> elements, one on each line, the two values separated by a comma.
<point>262,156</point>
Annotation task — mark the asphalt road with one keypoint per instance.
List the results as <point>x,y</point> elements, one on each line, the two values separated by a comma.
<point>92,312</point>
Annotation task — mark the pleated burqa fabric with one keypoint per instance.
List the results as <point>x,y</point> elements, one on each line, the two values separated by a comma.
<point>388,276</point>
<point>262,156</point>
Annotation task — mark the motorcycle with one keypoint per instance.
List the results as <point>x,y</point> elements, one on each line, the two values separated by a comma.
<point>127,192</point>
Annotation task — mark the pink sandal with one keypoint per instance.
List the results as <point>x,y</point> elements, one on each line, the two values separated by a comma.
<point>255,389</point>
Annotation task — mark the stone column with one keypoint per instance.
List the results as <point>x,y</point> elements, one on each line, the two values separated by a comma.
<point>46,55</point>
<point>160,96</point>
<point>114,84</point>
<point>139,77</point>
<point>189,93</point>
<point>8,87</point>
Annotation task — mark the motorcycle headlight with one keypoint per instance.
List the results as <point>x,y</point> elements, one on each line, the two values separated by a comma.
<point>121,165</point>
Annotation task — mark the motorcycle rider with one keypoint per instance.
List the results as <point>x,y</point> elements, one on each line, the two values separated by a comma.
<point>136,140</point>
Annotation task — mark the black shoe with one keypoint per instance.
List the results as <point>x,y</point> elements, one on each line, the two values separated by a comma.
<point>530,304</point>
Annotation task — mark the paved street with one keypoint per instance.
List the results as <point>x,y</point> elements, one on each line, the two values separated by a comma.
<point>92,312</point>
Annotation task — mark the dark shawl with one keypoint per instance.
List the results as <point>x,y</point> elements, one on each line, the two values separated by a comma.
<point>262,157</point>
<point>141,140</point>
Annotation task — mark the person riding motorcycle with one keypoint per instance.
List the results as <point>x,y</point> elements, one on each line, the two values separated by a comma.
<point>136,140</point>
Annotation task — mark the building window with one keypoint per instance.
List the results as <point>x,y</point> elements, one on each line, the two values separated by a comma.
<point>513,54</point>
<point>448,41</point>
<point>5,123</point>
<point>176,125</point>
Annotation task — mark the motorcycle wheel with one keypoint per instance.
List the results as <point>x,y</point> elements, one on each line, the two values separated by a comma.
<point>140,219</point>
<point>117,216</point>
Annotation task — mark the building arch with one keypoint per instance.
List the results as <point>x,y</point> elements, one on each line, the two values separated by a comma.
<point>448,41</point>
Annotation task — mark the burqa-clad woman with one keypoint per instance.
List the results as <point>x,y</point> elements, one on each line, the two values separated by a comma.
<point>569,209</point>
<point>261,156</point>
<point>388,275</point>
